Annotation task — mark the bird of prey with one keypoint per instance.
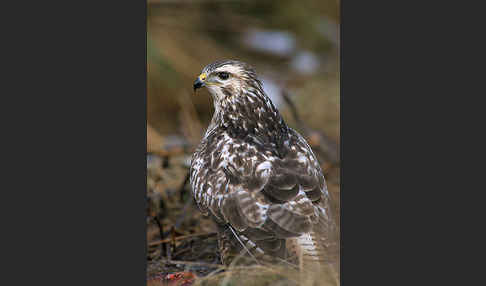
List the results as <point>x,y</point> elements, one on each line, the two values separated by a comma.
<point>257,177</point>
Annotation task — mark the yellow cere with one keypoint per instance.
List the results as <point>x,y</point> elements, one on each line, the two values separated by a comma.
<point>202,76</point>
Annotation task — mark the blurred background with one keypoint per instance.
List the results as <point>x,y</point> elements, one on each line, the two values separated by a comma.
<point>294,47</point>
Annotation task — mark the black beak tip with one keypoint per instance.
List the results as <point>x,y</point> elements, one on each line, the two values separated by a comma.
<point>198,84</point>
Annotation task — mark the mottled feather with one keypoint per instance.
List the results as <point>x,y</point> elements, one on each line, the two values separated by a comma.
<point>253,172</point>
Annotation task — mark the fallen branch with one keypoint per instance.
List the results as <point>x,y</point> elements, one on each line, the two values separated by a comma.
<point>319,140</point>
<point>182,237</point>
<point>166,152</point>
<point>192,263</point>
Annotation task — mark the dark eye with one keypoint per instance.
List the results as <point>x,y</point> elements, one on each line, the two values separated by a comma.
<point>223,75</point>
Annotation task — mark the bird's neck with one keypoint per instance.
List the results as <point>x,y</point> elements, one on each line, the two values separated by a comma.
<point>251,114</point>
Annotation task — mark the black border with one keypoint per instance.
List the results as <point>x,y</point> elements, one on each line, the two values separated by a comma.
<point>400,195</point>
<point>76,170</point>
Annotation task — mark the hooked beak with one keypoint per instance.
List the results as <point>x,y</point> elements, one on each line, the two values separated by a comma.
<point>200,81</point>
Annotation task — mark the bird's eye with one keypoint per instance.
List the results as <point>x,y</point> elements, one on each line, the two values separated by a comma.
<point>223,75</point>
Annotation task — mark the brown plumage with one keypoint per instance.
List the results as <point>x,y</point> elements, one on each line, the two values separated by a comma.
<point>254,174</point>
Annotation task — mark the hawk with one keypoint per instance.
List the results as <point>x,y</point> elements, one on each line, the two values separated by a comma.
<point>257,177</point>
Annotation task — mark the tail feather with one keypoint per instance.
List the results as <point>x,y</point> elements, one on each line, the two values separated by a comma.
<point>318,250</point>
<point>317,260</point>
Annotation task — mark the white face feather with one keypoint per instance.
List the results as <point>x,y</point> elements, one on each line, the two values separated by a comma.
<point>233,69</point>
<point>216,85</point>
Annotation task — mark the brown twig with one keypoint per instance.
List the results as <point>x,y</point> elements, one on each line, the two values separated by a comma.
<point>192,263</point>
<point>166,153</point>
<point>161,232</point>
<point>183,186</point>
<point>186,210</point>
<point>154,243</point>
<point>319,140</point>
<point>293,109</point>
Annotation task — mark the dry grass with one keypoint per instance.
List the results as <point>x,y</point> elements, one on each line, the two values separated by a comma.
<point>269,275</point>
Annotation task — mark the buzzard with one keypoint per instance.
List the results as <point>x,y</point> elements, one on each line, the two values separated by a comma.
<point>257,177</point>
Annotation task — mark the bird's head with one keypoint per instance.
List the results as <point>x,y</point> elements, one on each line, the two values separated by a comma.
<point>229,78</point>
<point>239,100</point>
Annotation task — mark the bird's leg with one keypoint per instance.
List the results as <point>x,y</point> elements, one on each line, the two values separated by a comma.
<point>226,247</point>
<point>242,244</point>
<point>232,248</point>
